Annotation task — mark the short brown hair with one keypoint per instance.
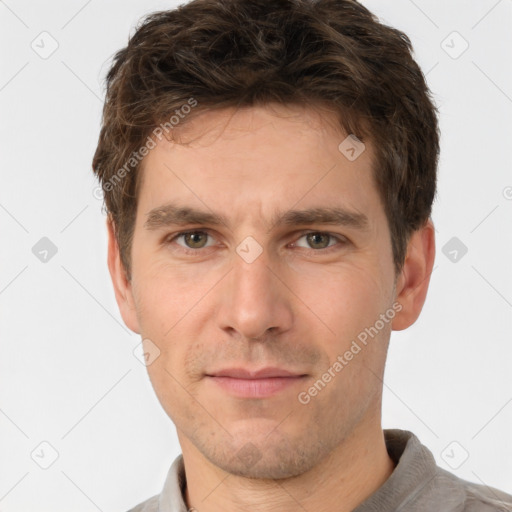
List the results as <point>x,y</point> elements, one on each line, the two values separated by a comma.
<point>242,53</point>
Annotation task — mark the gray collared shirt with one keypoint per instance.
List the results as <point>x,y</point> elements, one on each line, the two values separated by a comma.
<point>417,484</point>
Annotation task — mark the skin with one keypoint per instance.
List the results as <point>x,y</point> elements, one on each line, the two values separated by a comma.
<point>298,305</point>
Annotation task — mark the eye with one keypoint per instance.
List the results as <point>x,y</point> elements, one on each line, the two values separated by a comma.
<point>316,241</point>
<point>192,239</point>
<point>319,240</point>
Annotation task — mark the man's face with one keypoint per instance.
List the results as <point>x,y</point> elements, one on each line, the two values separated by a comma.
<point>253,291</point>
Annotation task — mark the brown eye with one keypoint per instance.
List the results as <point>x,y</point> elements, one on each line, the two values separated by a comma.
<point>195,239</point>
<point>318,240</point>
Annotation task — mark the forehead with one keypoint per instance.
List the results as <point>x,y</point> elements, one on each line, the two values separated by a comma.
<point>259,160</point>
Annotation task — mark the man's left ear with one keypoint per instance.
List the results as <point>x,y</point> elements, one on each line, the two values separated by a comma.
<point>412,284</point>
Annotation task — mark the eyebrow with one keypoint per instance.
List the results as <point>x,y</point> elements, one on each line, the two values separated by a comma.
<point>169,215</point>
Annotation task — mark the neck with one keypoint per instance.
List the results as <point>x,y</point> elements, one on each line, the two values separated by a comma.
<point>341,481</point>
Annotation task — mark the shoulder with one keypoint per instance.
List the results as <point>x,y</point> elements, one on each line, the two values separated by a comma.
<point>475,497</point>
<point>150,505</point>
<point>418,484</point>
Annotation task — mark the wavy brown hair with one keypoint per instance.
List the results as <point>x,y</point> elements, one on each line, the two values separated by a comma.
<point>242,53</point>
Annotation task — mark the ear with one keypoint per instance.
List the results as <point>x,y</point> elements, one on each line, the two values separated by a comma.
<point>122,286</point>
<point>412,284</point>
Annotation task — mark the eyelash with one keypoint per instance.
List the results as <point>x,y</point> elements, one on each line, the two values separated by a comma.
<point>339,238</point>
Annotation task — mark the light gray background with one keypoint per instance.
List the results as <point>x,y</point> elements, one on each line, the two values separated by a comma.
<point>68,375</point>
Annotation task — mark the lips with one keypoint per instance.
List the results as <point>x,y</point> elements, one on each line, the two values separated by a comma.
<point>262,383</point>
<point>242,373</point>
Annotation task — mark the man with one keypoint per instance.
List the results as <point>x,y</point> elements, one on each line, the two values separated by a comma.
<point>269,170</point>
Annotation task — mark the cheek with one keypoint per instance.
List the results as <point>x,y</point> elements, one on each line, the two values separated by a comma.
<point>344,298</point>
<point>172,305</point>
<point>164,294</point>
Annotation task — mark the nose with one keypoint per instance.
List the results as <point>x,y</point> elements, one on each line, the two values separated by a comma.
<point>255,301</point>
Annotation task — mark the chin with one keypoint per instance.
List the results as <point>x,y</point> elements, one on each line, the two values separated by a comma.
<point>273,459</point>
